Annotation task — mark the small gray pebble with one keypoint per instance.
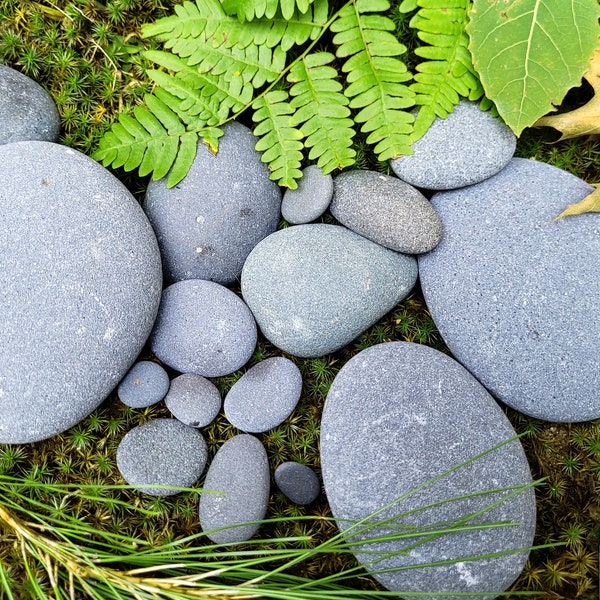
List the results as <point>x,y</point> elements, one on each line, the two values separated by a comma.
<point>145,384</point>
<point>310,199</point>
<point>193,400</point>
<point>298,482</point>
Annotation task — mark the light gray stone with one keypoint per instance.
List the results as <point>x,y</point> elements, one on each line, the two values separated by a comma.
<point>145,384</point>
<point>298,482</point>
<point>207,224</point>
<point>80,283</point>
<point>466,147</point>
<point>314,288</point>
<point>310,199</point>
<point>515,295</point>
<point>240,472</point>
<point>27,112</point>
<point>398,415</point>
<point>386,210</point>
<point>162,452</point>
<point>264,396</point>
<point>193,400</point>
<point>203,328</point>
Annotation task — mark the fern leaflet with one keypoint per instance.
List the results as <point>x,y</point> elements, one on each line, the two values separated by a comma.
<point>248,10</point>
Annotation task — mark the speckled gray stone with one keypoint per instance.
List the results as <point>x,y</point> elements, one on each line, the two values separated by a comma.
<point>207,224</point>
<point>80,283</point>
<point>517,297</point>
<point>385,210</point>
<point>298,482</point>
<point>203,328</point>
<point>240,470</point>
<point>145,384</point>
<point>314,288</point>
<point>467,147</point>
<point>193,400</point>
<point>162,452</point>
<point>264,396</point>
<point>399,414</point>
<point>27,112</point>
<point>311,198</point>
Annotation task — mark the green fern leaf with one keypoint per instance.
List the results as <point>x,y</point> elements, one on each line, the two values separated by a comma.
<point>249,10</point>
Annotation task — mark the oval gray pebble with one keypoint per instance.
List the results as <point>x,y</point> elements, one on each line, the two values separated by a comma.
<point>311,198</point>
<point>298,482</point>
<point>193,400</point>
<point>145,384</point>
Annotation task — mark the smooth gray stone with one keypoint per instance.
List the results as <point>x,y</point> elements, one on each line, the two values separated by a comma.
<point>298,482</point>
<point>314,288</point>
<point>466,147</point>
<point>193,400</point>
<point>517,296</point>
<point>398,415</point>
<point>162,452</point>
<point>207,224</point>
<point>240,471</point>
<point>265,396</point>
<point>386,210</point>
<point>80,283</point>
<point>145,384</point>
<point>27,112</point>
<point>310,199</point>
<point>203,328</point>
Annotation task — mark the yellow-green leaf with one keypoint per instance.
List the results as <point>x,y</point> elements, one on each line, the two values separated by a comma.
<point>591,203</point>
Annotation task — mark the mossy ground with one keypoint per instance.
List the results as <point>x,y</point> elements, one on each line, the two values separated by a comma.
<point>84,52</point>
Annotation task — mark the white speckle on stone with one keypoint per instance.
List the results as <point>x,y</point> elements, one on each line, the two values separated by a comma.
<point>1,392</point>
<point>69,151</point>
<point>465,574</point>
<point>199,219</point>
<point>199,249</point>
<point>108,334</point>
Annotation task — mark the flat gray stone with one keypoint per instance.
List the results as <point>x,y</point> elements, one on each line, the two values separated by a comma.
<point>162,452</point>
<point>145,384</point>
<point>517,297</point>
<point>265,396</point>
<point>240,471</point>
<point>27,112</point>
<point>80,283</point>
<point>386,210</point>
<point>310,199</point>
<point>466,147</point>
<point>314,288</point>
<point>207,224</point>
<point>298,482</point>
<point>203,328</point>
<point>193,400</point>
<point>396,416</point>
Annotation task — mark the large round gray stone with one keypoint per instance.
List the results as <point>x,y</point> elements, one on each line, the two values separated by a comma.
<point>80,282</point>
<point>517,296</point>
<point>398,415</point>
<point>314,288</point>
<point>207,224</point>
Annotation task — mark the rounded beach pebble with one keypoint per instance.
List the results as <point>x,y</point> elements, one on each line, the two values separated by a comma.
<point>298,482</point>
<point>393,420</point>
<point>515,295</point>
<point>311,198</point>
<point>145,384</point>
<point>193,400</point>
<point>203,328</point>
<point>466,147</point>
<point>162,452</point>
<point>80,283</point>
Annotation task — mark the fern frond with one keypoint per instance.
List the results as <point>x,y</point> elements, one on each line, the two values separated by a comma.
<point>322,112</point>
<point>375,76</point>
<point>249,10</point>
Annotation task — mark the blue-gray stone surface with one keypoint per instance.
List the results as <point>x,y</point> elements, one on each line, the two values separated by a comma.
<point>203,328</point>
<point>314,288</point>
<point>240,471</point>
<point>193,400</point>
<point>515,295</point>
<point>27,112</point>
<point>310,199</point>
<point>162,452</point>
<point>396,416</point>
<point>385,210</point>
<point>298,482</point>
<point>207,224</point>
<point>80,283</point>
<point>264,396</point>
<point>466,147</point>
<point>145,384</point>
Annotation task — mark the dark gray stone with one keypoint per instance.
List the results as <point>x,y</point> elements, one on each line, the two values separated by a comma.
<point>467,147</point>
<point>396,416</point>
<point>145,384</point>
<point>314,288</point>
<point>264,396</point>
<point>517,296</point>
<point>203,328</point>
<point>193,400</point>
<point>386,210</point>
<point>80,283</point>
<point>162,452</point>
<point>311,198</point>
<point>27,112</point>
<point>298,482</point>
<point>240,471</point>
<point>207,224</point>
